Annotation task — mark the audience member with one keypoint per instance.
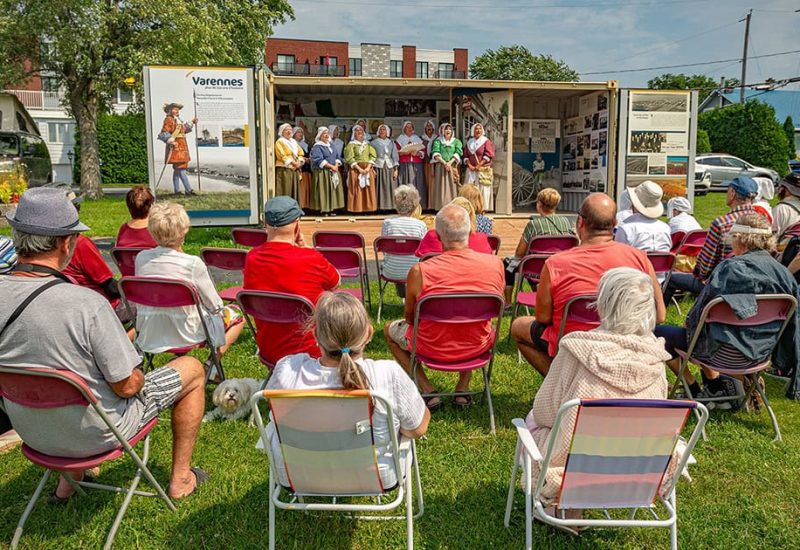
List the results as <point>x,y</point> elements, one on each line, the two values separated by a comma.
<point>643,229</point>
<point>787,212</point>
<point>625,206</point>
<point>483,224</point>
<point>134,233</point>
<point>457,269</point>
<point>343,330</point>
<point>576,272</point>
<point>479,242</point>
<point>285,264</point>
<point>679,212</point>
<point>766,190</point>
<point>75,329</point>
<point>8,255</point>
<point>739,199</point>
<point>406,202</point>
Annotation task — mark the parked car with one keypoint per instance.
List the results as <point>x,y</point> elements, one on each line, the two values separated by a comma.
<point>794,166</point>
<point>702,180</point>
<point>29,152</point>
<point>723,168</point>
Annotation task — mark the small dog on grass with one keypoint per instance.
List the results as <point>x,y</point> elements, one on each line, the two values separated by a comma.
<point>232,398</point>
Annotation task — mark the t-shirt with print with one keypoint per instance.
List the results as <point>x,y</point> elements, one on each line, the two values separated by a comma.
<point>302,372</point>
<point>88,268</point>
<point>73,328</point>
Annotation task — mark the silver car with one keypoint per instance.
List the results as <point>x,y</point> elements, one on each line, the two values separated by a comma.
<point>723,168</point>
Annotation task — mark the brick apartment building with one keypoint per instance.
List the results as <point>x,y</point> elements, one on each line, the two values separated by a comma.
<point>289,56</point>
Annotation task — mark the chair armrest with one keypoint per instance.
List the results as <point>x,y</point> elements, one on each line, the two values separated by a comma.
<point>526,439</point>
<point>404,444</point>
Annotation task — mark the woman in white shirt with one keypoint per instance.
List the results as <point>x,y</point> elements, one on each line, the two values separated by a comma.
<point>343,330</point>
<point>679,212</point>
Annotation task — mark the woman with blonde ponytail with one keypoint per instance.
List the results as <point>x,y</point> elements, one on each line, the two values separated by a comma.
<point>343,330</point>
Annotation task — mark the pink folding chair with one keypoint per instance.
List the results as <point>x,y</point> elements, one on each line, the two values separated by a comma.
<point>550,244</point>
<point>677,239</point>
<point>44,388</point>
<point>345,239</point>
<point>619,455</point>
<point>227,259</point>
<point>125,258</point>
<point>692,243</point>
<point>162,293</point>
<point>460,308</point>
<point>395,246</point>
<point>580,309</point>
<point>494,242</point>
<point>663,264</point>
<point>350,265</point>
<point>529,269</point>
<point>773,309</point>
<point>249,236</point>
<point>274,307</point>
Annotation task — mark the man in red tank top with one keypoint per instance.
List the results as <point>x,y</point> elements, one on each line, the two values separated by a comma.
<point>576,272</point>
<point>457,269</point>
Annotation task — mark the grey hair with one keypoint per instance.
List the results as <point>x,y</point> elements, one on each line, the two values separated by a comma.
<point>28,245</point>
<point>452,224</point>
<point>406,200</point>
<point>625,302</point>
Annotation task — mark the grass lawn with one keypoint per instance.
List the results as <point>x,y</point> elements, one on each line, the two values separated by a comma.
<point>744,494</point>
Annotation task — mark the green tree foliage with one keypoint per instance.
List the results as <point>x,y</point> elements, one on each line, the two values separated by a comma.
<point>704,84</point>
<point>748,131</point>
<point>788,129</point>
<point>92,46</point>
<point>703,143</point>
<point>518,63</point>
<point>123,148</point>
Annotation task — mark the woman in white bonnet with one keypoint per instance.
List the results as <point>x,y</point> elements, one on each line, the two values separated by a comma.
<point>679,212</point>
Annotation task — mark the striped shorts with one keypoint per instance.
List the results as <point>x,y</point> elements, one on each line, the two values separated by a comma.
<point>161,388</point>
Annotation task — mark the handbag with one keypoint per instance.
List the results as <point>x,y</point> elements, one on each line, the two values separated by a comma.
<point>215,326</point>
<point>486,176</point>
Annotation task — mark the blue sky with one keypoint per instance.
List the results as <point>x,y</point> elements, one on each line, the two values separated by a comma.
<point>590,35</point>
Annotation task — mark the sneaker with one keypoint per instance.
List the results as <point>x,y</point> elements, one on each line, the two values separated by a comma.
<point>718,405</point>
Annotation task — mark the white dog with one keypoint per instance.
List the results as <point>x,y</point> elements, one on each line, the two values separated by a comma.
<point>232,398</point>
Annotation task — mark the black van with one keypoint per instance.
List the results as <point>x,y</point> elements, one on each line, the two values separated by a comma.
<point>30,152</point>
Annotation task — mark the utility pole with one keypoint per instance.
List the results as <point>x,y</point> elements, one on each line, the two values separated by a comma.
<point>744,54</point>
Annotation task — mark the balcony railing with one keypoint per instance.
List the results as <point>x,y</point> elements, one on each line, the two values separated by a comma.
<point>39,100</point>
<point>305,69</point>
<point>449,74</point>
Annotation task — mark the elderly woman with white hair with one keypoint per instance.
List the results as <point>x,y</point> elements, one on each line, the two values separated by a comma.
<point>679,212</point>
<point>620,359</point>
<point>288,161</point>
<point>406,202</point>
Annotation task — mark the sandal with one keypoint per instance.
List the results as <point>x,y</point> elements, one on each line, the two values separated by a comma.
<point>54,500</point>
<point>201,476</point>
<point>463,401</point>
<point>434,403</point>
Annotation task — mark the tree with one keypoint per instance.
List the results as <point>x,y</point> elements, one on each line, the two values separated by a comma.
<point>92,46</point>
<point>788,129</point>
<point>518,63</point>
<point>703,143</point>
<point>702,83</point>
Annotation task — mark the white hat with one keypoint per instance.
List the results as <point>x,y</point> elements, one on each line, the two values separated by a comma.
<point>681,204</point>
<point>646,198</point>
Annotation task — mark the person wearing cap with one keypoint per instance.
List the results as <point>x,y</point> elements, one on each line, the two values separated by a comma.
<point>679,212</point>
<point>787,212</point>
<point>285,264</point>
<point>739,199</point>
<point>75,329</point>
<point>749,271</point>
<point>173,134</point>
<point>643,229</point>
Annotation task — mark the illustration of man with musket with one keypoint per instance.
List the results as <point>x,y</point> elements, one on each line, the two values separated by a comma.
<point>173,133</point>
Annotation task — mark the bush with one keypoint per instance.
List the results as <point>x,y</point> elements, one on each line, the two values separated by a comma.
<point>123,149</point>
<point>748,131</point>
<point>703,143</point>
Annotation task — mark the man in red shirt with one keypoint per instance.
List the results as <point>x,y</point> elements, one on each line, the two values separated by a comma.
<point>577,272</point>
<point>284,264</point>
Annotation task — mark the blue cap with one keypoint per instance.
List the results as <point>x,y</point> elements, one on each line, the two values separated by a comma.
<point>281,210</point>
<point>745,187</point>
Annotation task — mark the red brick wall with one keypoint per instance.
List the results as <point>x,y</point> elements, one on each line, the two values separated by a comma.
<point>461,59</point>
<point>409,61</point>
<point>310,50</point>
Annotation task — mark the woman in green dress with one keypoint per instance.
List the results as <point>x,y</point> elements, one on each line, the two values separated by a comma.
<point>446,153</point>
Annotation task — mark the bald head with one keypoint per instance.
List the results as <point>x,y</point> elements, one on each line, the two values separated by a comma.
<point>453,226</point>
<point>598,212</point>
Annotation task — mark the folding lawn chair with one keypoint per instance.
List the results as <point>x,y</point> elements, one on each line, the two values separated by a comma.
<point>161,293</point>
<point>248,236</point>
<point>345,239</point>
<point>550,244</point>
<point>692,243</point>
<point>677,239</point>
<point>273,307</point>
<point>125,258</point>
<point>580,309</point>
<point>227,259</point>
<point>350,265</point>
<point>48,388</point>
<point>529,269</point>
<point>618,457</point>
<point>396,246</point>
<point>329,450</point>
<point>772,309</point>
<point>460,308</point>
<point>663,263</point>
<point>494,242</point>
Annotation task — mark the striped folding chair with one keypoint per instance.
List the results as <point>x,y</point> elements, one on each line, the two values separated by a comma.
<point>619,454</point>
<point>328,449</point>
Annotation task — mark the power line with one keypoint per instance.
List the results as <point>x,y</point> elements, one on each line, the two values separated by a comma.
<point>507,7</point>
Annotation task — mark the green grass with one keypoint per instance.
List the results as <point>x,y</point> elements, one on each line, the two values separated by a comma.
<point>744,494</point>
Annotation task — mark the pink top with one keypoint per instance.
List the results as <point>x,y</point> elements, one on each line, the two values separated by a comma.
<point>130,237</point>
<point>479,242</point>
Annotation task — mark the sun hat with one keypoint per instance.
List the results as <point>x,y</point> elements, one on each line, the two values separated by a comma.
<point>46,211</point>
<point>646,198</point>
<point>791,183</point>
<point>744,187</point>
<point>281,210</point>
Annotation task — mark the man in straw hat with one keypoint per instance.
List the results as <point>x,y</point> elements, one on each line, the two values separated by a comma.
<point>643,229</point>
<point>173,133</point>
<point>70,327</point>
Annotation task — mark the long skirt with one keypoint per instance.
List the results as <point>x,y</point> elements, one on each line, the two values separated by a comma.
<point>361,199</point>
<point>444,187</point>
<point>304,189</point>
<point>413,174</point>
<point>385,184</point>
<point>286,181</point>
<point>327,197</point>
<point>487,193</point>
<point>429,179</point>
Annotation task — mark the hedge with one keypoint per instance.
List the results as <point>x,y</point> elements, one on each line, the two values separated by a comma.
<point>123,149</point>
<point>703,143</point>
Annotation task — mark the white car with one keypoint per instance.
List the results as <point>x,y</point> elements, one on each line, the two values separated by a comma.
<point>702,180</point>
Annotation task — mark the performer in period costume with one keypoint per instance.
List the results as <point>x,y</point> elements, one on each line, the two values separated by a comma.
<point>304,184</point>
<point>412,170</point>
<point>173,133</point>
<point>288,161</point>
<point>336,142</point>
<point>478,156</point>
<point>429,135</point>
<point>363,123</point>
<point>360,156</point>
<point>386,167</point>
<point>446,156</point>
<point>327,194</point>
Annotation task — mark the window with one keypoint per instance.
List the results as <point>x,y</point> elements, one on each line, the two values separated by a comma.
<point>734,162</point>
<point>33,146</point>
<point>50,84</point>
<point>711,161</point>
<point>355,66</point>
<point>125,95</point>
<point>285,63</point>
<point>8,145</point>
<point>446,70</point>
<point>329,60</point>
<point>60,132</point>
<point>422,69</point>
<point>396,69</point>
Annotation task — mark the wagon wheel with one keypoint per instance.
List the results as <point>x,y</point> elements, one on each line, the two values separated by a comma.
<point>523,186</point>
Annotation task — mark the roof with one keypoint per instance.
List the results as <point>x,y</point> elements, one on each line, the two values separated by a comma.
<point>785,102</point>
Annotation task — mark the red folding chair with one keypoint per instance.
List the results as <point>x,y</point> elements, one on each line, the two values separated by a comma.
<point>274,307</point>
<point>580,309</point>
<point>350,265</point>
<point>44,388</point>
<point>227,259</point>
<point>692,243</point>
<point>529,269</point>
<point>663,263</point>
<point>345,239</point>
<point>677,239</point>
<point>248,236</point>
<point>395,246</point>
<point>125,258</point>
<point>772,308</point>
<point>460,308</point>
<point>550,244</point>
<point>157,292</point>
<point>494,242</point>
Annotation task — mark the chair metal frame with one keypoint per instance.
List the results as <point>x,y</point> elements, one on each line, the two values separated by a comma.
<point>331,254</point>
<point>527,452</point>
<point>398,446</point>
<point>383,280</point>
<point>361,246</point>
<point>249,236</point>
<point>520,277</point>
<point>120,253</point>
<point>87,398</point>
<point>207,254</point>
